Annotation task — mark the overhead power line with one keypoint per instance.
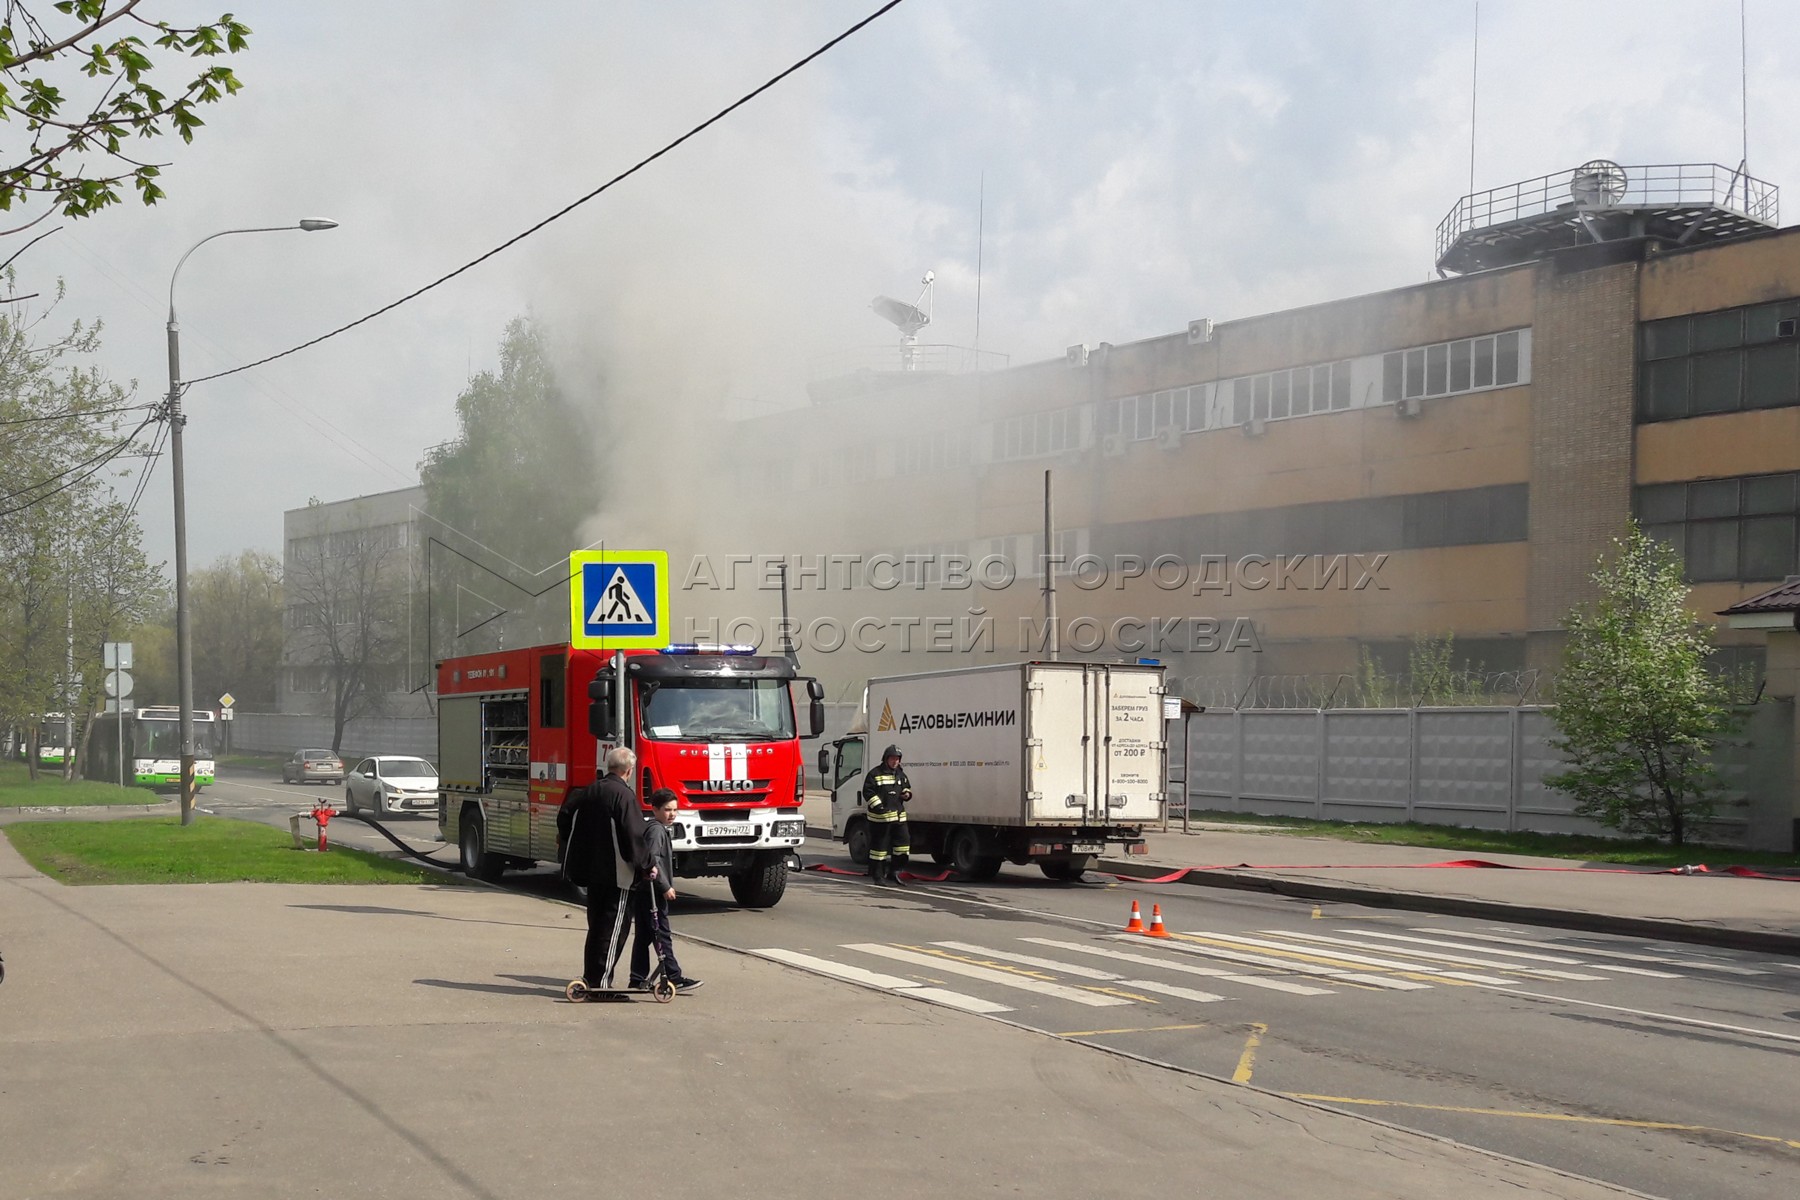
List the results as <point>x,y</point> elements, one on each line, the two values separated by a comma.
<point>77,413</point>
<point>94,465</point>
<point>566,210</point>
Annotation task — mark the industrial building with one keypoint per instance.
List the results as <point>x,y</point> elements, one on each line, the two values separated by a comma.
<point>1604,341</point>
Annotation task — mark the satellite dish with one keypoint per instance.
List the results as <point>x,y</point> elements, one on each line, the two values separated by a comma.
<point>1598,184</point>
<point>907,318</point>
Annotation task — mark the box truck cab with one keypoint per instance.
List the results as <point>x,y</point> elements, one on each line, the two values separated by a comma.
<point>519,729</point>
<point>1037,762</point>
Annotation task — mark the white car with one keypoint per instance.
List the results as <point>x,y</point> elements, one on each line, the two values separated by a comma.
<point>392,783</point>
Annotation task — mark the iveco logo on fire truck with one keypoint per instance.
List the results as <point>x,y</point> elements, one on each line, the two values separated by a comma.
<point>722,785</point>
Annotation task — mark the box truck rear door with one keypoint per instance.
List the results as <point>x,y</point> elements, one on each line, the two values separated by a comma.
<point>1061,747</point>
<point>1129,708</point>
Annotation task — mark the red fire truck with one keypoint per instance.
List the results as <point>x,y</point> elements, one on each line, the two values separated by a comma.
<point>518,729</point>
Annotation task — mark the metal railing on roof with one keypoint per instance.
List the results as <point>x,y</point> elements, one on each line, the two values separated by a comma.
<point>1661,185</point>
<point>924,358</point>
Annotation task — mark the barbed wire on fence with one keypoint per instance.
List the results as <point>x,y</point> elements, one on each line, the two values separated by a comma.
<point>1344,690</point>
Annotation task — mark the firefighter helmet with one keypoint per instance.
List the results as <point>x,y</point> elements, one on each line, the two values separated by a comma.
<point>891,752</point>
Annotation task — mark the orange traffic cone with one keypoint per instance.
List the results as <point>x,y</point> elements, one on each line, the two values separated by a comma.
<point>1156,926</point>
<point>1136,924</point>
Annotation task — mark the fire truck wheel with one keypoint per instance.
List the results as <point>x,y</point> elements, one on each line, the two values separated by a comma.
<point>763,884</point>
<point>476,861</point>
<point>856,840</point>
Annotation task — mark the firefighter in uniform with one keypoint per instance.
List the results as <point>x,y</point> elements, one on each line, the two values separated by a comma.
<point>885,791</point>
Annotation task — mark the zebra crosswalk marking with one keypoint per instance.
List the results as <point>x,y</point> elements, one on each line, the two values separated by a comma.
<point>1525,954</point>
<point>1345,958</point>
<point>943,962</point>
<point>1291,961</point>
<point>1028,960</point>
<point>1663,959</point>
<point>851,974</point>
<point>1169,989</point>
<point>1435,956</point>
<point>1274,985</point>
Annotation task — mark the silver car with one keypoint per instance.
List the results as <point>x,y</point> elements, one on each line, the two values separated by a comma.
<point>313,766</point>
<point>392,783</point>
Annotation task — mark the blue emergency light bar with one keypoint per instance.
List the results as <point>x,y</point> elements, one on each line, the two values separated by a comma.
<point>706,648</point>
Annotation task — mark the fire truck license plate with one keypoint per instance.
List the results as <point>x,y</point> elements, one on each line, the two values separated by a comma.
<point>727,829</point>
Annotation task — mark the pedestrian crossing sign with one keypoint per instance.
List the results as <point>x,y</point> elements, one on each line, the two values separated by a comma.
<point>619,599</point>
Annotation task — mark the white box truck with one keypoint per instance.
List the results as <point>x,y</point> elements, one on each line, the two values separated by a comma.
<point>1034,762</point>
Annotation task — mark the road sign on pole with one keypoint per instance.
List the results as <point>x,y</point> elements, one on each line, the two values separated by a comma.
<point>619,599</point>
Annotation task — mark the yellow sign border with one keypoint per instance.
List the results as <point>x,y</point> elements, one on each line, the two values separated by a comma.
<point>578,636</point>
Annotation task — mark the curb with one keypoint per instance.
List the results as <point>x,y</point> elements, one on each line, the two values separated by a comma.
<point>40,809</point>
<point>1766,941</point>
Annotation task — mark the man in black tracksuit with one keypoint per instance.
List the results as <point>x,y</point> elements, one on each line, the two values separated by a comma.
<point>600,832</point>
<point>885,791</point>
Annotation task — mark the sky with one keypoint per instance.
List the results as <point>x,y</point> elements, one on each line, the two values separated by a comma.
<point>1127,167</point>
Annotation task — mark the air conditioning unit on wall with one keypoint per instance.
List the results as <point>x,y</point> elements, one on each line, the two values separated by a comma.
<point>1112,445</point>
<point>1409,408</point>
<point>1200,332</point>
<point>1169,438</point>
<point>1255,427</point>
<point>1076,356</point>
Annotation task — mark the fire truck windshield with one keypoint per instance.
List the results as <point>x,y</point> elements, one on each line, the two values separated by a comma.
<point>717,710</point>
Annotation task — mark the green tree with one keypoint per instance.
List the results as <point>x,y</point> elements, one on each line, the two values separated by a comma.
<point>237,615</point>
<point>511,492</point>
<point>1639,712</point>
<point>72,570</point>
<point>79,75</point>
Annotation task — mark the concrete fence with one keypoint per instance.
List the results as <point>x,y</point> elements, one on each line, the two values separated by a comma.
<point>284,733</point>
<point>1482,768</point>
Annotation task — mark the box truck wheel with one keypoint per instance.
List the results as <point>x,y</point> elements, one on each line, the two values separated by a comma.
<point>764,883</point>
<point>476,861</point>
<point>969,857</point>
<point>856,839</point>
<point>1068,870</point>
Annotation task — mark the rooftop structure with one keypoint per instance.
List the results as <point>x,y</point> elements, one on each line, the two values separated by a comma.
<point>1674,204</point>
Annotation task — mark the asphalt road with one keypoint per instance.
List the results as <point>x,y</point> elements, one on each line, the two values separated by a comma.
<point>1667,1068</point>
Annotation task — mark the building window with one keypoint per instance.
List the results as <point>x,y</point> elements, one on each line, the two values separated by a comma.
<point>1741,529</point>
<point>1450,368</point>
<point>1033,435</point>
<point>307,679</point>
<point>929,453</point>
<point>1719,362</point>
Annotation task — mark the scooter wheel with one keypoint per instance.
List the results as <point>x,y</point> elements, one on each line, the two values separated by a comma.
<point>664,990</point>
<point>577,991</point>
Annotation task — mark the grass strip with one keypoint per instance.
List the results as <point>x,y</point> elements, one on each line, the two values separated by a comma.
<point>50,790</point>
<point>212,850</point>
<point>1487,841</point>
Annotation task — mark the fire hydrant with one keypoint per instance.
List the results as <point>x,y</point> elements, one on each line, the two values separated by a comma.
<point>323,814</point>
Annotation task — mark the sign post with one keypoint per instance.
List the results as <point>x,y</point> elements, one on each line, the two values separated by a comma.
<point>225,703</point>
<point>116,658</point>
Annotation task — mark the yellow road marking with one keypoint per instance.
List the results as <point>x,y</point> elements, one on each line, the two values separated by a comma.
<point>1110,991</point>
<point>1572,1118</point>
<point>1327,961</point>
<point>981,962</point>
<point>1247,1059</point>
<point>1146,1029</point>
<point>1318,913</point>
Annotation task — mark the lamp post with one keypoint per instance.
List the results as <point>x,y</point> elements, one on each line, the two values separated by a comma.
<point>184,650</point>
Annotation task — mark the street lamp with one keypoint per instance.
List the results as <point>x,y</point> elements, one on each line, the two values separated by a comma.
<point>184,650</point>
